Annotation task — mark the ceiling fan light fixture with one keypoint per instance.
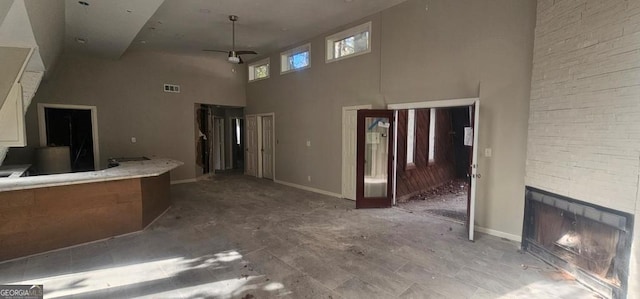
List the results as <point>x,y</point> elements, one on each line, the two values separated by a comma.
<point>234,59</point>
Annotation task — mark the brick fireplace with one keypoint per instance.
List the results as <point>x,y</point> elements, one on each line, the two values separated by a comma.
<point>591,242</point>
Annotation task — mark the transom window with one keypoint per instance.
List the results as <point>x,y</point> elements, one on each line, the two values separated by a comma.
<point>351,42</point>
<point>295,59</point>
<point>259,70</point>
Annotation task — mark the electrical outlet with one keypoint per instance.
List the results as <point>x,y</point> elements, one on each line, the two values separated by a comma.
<point>308,143</point>
<point>134,140</point>
<point>309,178</point>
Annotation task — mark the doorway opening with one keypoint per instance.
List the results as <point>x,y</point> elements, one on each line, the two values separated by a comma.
<point>378,150</point>
<point>73,127</point>
<point>237,147</point>
<point>433,174</point>
<point>215,139</point>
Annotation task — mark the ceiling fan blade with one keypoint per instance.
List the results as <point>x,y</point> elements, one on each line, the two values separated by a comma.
<point>219,51</point>
<point>240,60</point>
<point>246,52</point>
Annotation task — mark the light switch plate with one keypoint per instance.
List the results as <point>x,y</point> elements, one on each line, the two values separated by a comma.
<point>134,140</point>
<point>487,152</point>
<point>308,143</point>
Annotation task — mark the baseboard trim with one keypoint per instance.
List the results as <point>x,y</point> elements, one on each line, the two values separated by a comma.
<point>183,181</point>
<point>311,189</point>
<point>499,234</point>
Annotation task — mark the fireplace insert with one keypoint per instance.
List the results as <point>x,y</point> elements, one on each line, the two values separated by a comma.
<point>591,242</point>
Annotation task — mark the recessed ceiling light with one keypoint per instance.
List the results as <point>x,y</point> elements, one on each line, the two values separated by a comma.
<point>143,41</point>
<point>81,40</point>
<point>85,3</point>
<point>204,10</point>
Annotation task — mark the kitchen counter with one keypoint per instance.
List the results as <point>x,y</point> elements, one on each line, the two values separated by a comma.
<point>126,170</point>
<point>48,212</point>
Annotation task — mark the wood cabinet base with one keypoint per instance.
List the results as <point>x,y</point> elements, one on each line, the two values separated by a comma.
<point>38,220</point>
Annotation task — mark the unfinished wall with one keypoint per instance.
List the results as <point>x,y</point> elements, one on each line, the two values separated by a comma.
<point>453,49</point>
<point>424,174</point>
<point>131,103</point>
<point>584,138</point>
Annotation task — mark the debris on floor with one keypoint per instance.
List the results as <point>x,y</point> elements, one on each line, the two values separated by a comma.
<point>448,200</point>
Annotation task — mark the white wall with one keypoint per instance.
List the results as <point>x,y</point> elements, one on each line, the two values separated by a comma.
<point>584,137</point>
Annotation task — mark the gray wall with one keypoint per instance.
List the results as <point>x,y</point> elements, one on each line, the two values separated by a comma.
<point>455,49</point>
<point>130,100</point>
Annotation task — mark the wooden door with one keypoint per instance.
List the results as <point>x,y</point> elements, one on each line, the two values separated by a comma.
<point>251,143</point>
<point>267,147</point>
<point>375,159</point>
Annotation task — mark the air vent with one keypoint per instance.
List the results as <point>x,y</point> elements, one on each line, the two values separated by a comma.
<point>172,88</point>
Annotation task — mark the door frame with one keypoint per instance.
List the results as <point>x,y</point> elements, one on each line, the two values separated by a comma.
<point>448,104</point>
<point>259,142</point>
<point>344,139</point>
<point>42,126</point>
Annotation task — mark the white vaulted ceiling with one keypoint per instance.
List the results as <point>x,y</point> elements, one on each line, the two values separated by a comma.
<point>194,25</point>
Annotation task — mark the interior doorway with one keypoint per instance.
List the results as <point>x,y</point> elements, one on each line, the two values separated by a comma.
<point>215,139</point>
<point>434,140</point>
<point>218,143</point>
<point>73,126</point>
<point>378,151</point>
<point>237,144</point>
<point>433,174</point>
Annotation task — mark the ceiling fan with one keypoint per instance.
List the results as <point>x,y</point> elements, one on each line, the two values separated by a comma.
<point>234,56</point>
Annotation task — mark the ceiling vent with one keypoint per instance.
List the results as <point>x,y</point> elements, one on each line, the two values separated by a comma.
<point>172,88</point>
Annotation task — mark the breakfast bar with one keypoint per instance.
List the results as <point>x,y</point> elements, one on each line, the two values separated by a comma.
<point>42,213</point>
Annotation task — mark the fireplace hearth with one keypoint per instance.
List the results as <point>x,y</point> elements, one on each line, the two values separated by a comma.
<point>590,242</point>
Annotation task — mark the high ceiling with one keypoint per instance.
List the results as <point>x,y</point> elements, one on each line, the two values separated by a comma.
<point>109,27</point>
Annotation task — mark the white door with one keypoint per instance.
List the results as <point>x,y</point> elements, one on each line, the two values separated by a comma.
<point>267,147</point>
<point>251,144</point>
<point>475,121</point>
<point>349,146</point>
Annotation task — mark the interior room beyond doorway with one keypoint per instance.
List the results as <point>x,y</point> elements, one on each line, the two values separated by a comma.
<point>218,139</point>
<point>433,161</point>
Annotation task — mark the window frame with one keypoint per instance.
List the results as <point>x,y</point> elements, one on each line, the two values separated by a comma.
<point>431,151</point>
<point>411,143</point>
<point>330,40</point>
<point>251,67</point>
<point>284,58</point>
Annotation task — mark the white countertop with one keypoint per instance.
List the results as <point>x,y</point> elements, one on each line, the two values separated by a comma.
<point>126,170</point>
